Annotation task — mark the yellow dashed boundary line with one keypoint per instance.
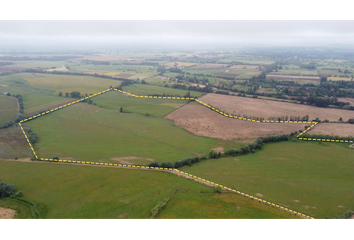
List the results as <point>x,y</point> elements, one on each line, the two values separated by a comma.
<point>138,96</point>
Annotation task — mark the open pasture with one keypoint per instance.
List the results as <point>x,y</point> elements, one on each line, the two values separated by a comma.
<point>267,108</point>
<point>202,121</point>
<point>111,193</point>
<point>88,132</point>
<point>334,129</point>
<point>314,178</point>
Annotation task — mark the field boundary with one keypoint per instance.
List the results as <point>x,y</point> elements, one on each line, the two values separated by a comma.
<point>173,169</point>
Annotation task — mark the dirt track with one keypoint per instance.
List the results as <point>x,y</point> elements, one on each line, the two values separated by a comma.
<point>202,121</point>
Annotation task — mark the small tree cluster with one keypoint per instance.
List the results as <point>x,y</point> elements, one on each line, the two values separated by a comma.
<point>8,190</point>
<point>320,136</point>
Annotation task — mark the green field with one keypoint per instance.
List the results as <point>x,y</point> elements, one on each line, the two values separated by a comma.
<point>23,210</point>
<point>313,178</point>
<point>88,132</point>
<point>70,191</point>
<point>40,91</point>
<point>8,109</point>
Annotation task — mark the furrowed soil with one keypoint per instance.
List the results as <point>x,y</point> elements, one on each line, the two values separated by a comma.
<point>202,121</point>
<point>268,108</point>
<point>334,129</point>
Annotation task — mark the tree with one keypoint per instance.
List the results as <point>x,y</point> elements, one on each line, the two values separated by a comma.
<point>75,94</point>
<point>66,94</point>
<point>121,109</point>
<point>60,94</point>
<point>218,189</point>
<point>351,120</point>
<point>6,190</point>
<point>341,119</point>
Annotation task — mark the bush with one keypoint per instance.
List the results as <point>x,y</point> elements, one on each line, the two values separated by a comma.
<point>6,190</point>
<point>214,154</point>
<point>232,151</point>
<point>33,138</point>
<point>348,214</point>
<point>218,189</point>
<point>163,165</point>
<point>55,158</point>
<point>169,165</point>
<point>154,164</point>
<point>147,114</point>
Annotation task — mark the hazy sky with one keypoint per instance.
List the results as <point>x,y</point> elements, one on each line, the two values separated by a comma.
<point>170,33</point>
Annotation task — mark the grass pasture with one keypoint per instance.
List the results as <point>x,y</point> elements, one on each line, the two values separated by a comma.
<point>66,191</point>
<point>88,132</point>
<point>313,178</point>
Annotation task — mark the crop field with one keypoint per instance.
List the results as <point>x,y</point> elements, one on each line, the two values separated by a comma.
<point>339,78</point>
<point>41,64</point>
<point>349,100</point>
<point>334,129</point>
<point>13,144</point>
<point>88,132</point>
<point>314,178</point>
<point>267,108</point>
<point>202,121</point>
<point>8,109</point>
<point>121,193</point>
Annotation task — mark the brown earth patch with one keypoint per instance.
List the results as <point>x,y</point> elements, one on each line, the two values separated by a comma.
<point>126,201</point>
<point>195,84</point>
<point>202,121</point>
<point>334,129</point>
<point>236,159</point>
<point>2,143</point>
<point>123,215</point>
<point>307,207</point>
<point>340,206</point>
<point>267,108</point>
<point>296,201</point>
<point>259,194</point>
<point>7,213</point>
<point>219,149</point>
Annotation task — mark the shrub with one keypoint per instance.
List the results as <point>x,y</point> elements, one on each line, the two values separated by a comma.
<point>163,165</point>
<point>348,214</point>
<point>33,138</point>
<point>218,189</point>
<point>147,114</point>
<point>214,154</point>
<point>169,165</point>
<point>154,164</point>
<point>6,190</point>
<point>56,157</point>
<point>232,151</point>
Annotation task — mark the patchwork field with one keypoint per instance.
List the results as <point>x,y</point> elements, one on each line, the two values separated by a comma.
<point>8,109</point>
<point>145,89</point>
<point>314,178</point>
<point>202,121</point>
<point>66,192</point>
<point>339,78</point>
<point>334,129</point>
<point>267,108</point>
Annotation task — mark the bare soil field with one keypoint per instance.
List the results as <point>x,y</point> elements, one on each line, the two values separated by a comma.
<point>10,68</point>
<point>268,108</point>
<point>334,129</point>
<point>6,213</point>
<point>350,100</point>
<point>202,121</point>
<point>290,77</point>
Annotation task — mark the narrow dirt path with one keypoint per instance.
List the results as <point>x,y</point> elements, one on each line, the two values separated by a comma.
<point>176,172</point>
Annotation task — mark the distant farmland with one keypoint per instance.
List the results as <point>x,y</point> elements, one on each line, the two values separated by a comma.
<point>291,77</point>
<point>8,109</point>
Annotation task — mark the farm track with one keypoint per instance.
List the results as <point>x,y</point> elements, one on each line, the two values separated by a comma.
<point>169,170</point>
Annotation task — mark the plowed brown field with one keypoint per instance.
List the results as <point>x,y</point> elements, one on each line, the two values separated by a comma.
<point>334,129</point>
<point>268,108</point>
<point>202,121</point>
